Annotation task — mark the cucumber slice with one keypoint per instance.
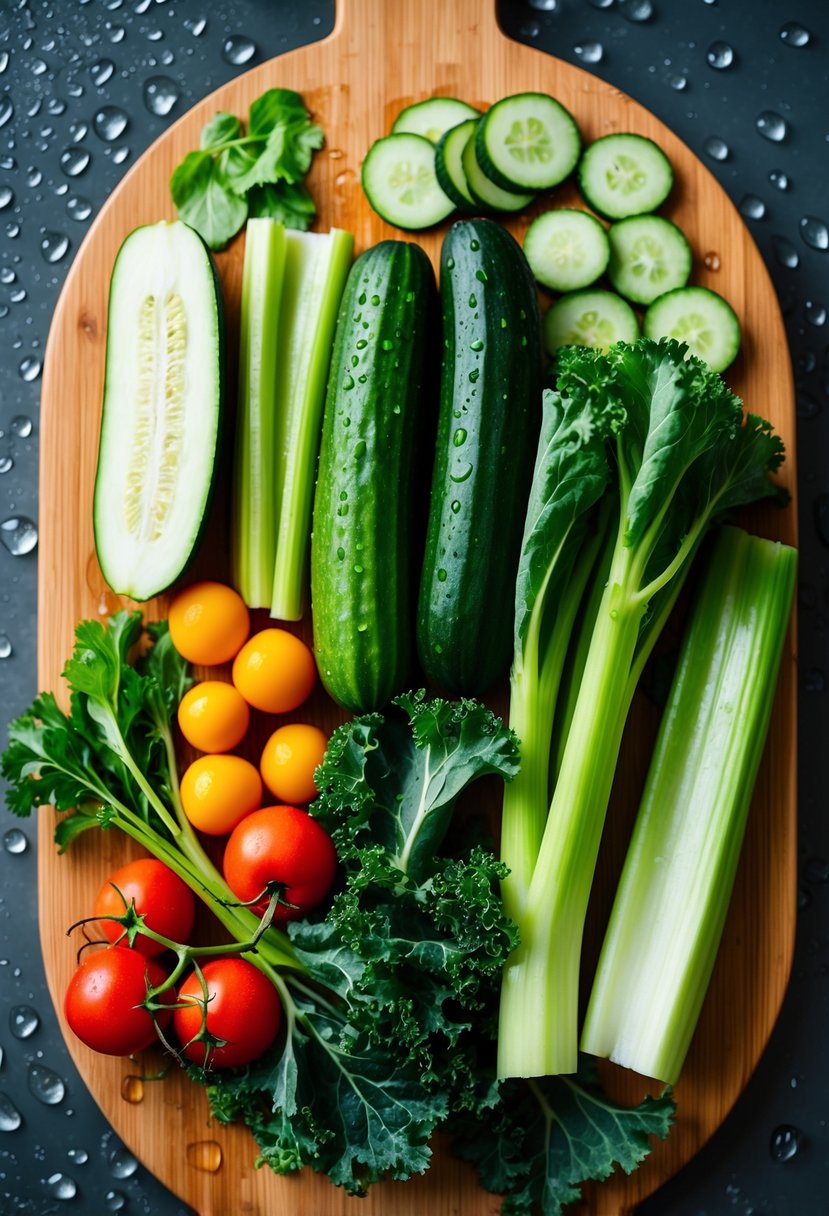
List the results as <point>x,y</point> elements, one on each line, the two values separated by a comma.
<point>700,318</point>
<point>485,192</point>
<point>432,118</point>
<point>648,256</point>
<point>449,168</point>
<point>589,318</point>
<point>161,410</point>
<point>566,249</point>
<point>400,182</point>
<point>528,142</point>
<point>622,175</point>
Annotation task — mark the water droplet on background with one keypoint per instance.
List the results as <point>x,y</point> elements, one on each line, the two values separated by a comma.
<point>716,148</point>
<point>78,208</point>
<point>19,535</point>
<point>784,1143</point>
<point>10,1117</point>
<point>720,55</point>
<point>23,1021</point>
<point>115,1201</point>
<point>53,246</point>
<point>78,1156</point>
<point>74,160</point>
<point>61,1186</point>
<point>752,207</point>
<point>110,122</point>
<point>205,1155</point>
<point>6,109</point>
<point>121,1162</point>
<point>779,179</point>
<point>21,425</point>
<point>15,841</point>
<point>101,72</point>
<point>6,197</point>
<point>530,29</point>
<point>6,466</point>
<point>794,34</point>
<point>589,52</point>
<point>46,1085</point>
<point>815,312</point>
<point>814,232</point>
<point>78,132</point>
<point>120,155</point>
<point>132,1087</point>
<point>772,126</point>
<point>678,81</point>
<point>636,10</point>
<point>4,61</point>
<point>238,50</point>
<point>602,3</point>
<point>196,26</point>
<point>160,95</point>
<point>785,252</point>
<point>711,261</point>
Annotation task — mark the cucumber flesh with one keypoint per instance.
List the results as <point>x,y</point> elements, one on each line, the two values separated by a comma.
<point>699,317</point>
<point>589,318</point>
<point>432,118</point>
<point>648,256</point>
<point>566,249</point>
<point>484,191</point>
<point>622,175</point>
<point>528,142</point>
<point>449,165</point>
<point>161,411</point>
<point>400,182</point>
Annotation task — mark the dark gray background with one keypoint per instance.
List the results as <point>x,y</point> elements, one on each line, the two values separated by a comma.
<point>61,63</point>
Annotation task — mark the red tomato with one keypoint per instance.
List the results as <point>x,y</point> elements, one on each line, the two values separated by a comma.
<point>280,844</point>
<point>159,894</point>
<point>103,1001</point>
<point>243,1008</point>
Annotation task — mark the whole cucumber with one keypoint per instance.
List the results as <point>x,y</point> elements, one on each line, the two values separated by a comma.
<point>490,412</point>
<point>362,544</point>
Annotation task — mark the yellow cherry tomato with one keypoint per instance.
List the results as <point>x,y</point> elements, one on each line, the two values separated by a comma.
<point>208,623</point>
<point>217,792</point>
<point>213,716</point>
<point>289,759</point>
<point>274,671</point>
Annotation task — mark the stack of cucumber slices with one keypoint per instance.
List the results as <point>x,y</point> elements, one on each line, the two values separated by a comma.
<point>443,155</point>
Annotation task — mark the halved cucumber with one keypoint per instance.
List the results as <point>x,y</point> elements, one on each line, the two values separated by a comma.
<point>623,174</point>
<point>162,408</point>
<point>400,182</point>
<point>448,166</point>
<point>648,256</point>
<point>700,318</point>
<point>566,249</point>
<point>589,318</point>
<point>484,191</point>
<point>527,142</point>
<point>433,117</point>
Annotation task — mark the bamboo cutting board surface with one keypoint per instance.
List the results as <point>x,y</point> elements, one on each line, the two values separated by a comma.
<point>382,55</point>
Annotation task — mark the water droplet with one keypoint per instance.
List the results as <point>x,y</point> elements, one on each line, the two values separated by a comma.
<point>78,1156</point>
<point>237,50</point>
<point>205,1155</point>
<point>115,1201</point>
<point>589,52</point>
<point>46,1085</point>
<point>78,132</point>
<point>110,122</point>
<point>6,466</point>
<point>459,438</point>
<point>460,473</point>
<point>815,312</point>
<point>78,208</point>
<point>115,33</point>
<point>196,26</point>
<point>56,105</point>
<point>160,95</point>
<point>752,207</point>
<point>712,261</point>
<point>21,425</point>
<point>14,841</point>
<point>720,55</point>
<point>74,160</point>
<point>4,61</point>
<point>101,72</point>
<point>7,275</point>
<point>716,148</point>
<point>636,10</point>
<point>6,109</point>
<point>454,506</point>
<point>814,232</point>
<point>530,29</point>
<point>784,1143</point>
<point>544,6</point>
<point>678,81</point>
<point>121,1162</point>
<point>23,1021</point>
<point>120,155</point>
<point>794,34</point>
<point>6,197</point>
<point>61,1186</point>
<point>771,126</point>
<point>53,246</point>
<point>10,1117</point>
<point>602,3</point>
<point>785,252</point>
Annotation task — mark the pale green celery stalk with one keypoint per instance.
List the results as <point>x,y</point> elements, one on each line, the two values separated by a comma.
<point>316,268</point>
<point>254,478</point>
<point>673,896</point>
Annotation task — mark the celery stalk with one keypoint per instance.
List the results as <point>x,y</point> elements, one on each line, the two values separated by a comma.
<point>675,888</point>
<point>316,268</point>
<point>254,488</point>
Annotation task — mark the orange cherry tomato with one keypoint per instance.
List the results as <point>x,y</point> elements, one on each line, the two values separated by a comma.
<point>289,759</point>
<point>208,623</point>
<point>213,716</point>
<point>274,671</point>
<point>166,902</point>
<point>217,792</point>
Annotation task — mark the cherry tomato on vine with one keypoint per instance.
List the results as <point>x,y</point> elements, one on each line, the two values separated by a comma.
<point>213,716</point>
<point>104,998</point>
<point>243,1008</point>
<point>274,671</point>
<point>289,760</point>
<point>280,844</point>
<point>218,791</point>
<point>208,623</point>
<point>160,895</point>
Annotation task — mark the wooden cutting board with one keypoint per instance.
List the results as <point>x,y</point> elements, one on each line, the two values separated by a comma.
<point>382,55</point>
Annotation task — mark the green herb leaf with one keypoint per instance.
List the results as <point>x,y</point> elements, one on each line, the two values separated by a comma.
<point>274,107</point>
<point>68,829</point>
<point>204,199</point>
<point>220,130</point>
<point>288,202</point>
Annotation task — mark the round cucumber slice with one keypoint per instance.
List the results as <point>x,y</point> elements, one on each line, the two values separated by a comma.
<point>483,190</point>
<point>449,167</point>
<point>699,317</point>
<point>399,180</point>
<point>433,117</point>
<point>648,256</point>
<point>589,318</point>
<point>528,142</point>
<point>622,175</point>
<point>566,249</point>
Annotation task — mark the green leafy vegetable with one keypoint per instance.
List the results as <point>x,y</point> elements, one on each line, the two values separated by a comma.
<point>260,173</point>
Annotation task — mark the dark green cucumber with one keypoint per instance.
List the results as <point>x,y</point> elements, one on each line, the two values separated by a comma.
<point>490,405</point>
<point>362,544</point>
